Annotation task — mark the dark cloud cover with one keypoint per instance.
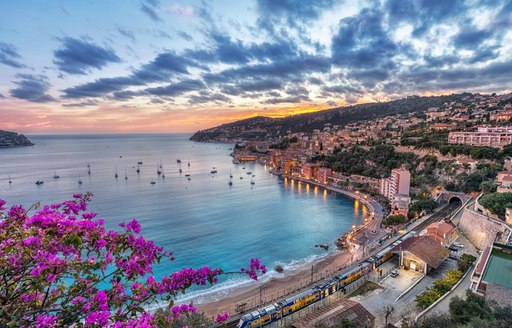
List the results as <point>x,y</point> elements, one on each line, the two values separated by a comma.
<point>281,64</point>
<point>9,55</point>
<point>32,88</point>
<point>80,56</point>
<point>363,41</point>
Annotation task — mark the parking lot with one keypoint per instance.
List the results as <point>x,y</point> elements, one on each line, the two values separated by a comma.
<point>394,287</point>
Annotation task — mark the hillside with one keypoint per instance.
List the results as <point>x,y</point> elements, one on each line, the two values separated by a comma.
<point>260,128</point>
<point>12,139</point>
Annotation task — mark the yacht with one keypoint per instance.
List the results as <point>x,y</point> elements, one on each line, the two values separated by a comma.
<point>55,176</point>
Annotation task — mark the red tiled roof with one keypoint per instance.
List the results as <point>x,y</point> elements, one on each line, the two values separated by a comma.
<point>425,248</point>
<point>442,227</point>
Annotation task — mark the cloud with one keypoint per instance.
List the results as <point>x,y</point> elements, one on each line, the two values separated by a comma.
<point>185,36</point>
<point>293,67</point>
<point>79,56</point>
<point>161,69</point>
<point>32,88</point>
<point>126,33</point>
<point>1,96</point>
<point>206,97</point>
<point>291,99</point>
<point>148,8</point>
<point>99,87</point>
<point>9,55</point>
<point>362,41</point>
<point>82,104</point>
<point>180,9</point>
<point>290,11</point>
<point>176,89</point>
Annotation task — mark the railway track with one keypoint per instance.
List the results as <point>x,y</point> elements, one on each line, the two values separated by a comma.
<point>442,214</point>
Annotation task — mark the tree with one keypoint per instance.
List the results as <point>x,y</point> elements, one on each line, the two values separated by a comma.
<point>497,202</point>
<point>60,267</point>
<point>427,298</point>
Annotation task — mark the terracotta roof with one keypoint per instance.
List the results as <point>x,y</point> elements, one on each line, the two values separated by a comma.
<point>442,227</point>
<point>424,248</point>
<point>344,308</point>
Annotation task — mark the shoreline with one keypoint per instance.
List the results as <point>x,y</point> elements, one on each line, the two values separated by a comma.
<point>258,293</point>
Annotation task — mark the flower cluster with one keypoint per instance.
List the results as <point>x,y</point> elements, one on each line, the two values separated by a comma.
<point>221,318</point>
<point>54,264</point>
<point>255,266</point>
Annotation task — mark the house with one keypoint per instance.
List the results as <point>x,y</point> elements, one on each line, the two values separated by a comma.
<point>504,180</point>
<point>400,204</point>
<point>421,253</point>
<point>445,233</point>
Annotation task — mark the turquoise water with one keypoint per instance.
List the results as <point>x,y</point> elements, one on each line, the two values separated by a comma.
<point>203,221</point>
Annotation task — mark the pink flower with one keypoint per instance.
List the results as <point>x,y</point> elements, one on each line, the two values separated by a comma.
<point>221,318</point>
<point>134,226</point>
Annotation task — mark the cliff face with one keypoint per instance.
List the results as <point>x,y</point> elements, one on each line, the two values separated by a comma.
<point>12,139</point>
<point>261,128</point>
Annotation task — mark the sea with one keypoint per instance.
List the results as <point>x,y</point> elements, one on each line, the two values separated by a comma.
<point>202,220</point>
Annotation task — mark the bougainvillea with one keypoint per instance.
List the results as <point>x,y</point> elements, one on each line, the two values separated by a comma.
<point>61,267</point>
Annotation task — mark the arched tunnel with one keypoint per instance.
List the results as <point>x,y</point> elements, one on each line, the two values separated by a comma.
<point>455,200</point>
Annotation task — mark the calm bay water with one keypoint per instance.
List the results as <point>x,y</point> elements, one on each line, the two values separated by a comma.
<point>203,221</point>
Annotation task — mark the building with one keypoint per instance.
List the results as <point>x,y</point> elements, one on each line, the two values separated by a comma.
<point>421,253</point>
<point>324,174</point>
<point>445,233</point>
<point>502,117</point>
<point>400,204</point>
<point>398,183</point>
<point>467,163</point>
<point>310,170</point>
<point>442,126</point>
<point>504,180</point>
<point>492,276</point>
<point>333,313</point>
<point>484,136</point>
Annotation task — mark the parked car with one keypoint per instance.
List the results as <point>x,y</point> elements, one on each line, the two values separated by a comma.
<point>457,244</point>
<point>394,273</point>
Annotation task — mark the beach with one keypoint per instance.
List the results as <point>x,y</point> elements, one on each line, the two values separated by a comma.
<point>248,297</point>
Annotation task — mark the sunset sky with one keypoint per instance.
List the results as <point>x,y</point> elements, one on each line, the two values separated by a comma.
<point>114,66</point>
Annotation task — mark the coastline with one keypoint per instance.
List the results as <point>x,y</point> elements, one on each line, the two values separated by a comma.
<point>259,293</point>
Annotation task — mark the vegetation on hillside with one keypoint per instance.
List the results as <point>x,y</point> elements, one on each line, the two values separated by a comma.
<point>375,162</point>
<point>497,203</point>
<point>260,128</point>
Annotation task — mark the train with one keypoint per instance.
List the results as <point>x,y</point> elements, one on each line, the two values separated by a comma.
<point>276,311</point>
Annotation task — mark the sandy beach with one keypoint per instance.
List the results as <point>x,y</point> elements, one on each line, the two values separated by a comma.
<point>247,298</point>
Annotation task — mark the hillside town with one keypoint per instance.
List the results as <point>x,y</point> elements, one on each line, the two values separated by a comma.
<point>410,165</point>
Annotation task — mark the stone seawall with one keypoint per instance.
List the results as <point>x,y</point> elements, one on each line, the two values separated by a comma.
<point>481,230</point>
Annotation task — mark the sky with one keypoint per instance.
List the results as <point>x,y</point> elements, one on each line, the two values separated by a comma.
<point>137,66</point>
